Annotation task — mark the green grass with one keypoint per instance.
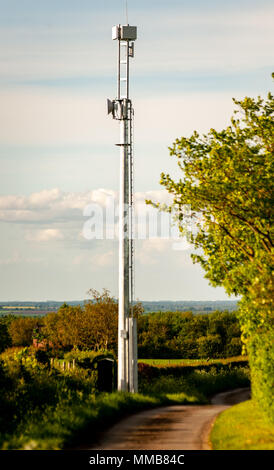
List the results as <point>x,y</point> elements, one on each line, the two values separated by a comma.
<point>167,362</point>
<point>242,427</point>
<point>190,362</point>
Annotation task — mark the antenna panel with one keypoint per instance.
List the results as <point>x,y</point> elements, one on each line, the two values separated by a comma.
<point>128,33</point>
<point>115,32</point>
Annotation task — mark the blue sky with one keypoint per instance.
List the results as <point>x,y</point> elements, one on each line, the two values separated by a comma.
<point>57,67</point>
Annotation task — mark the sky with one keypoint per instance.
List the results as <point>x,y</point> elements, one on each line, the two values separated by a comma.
<point>57,144</point>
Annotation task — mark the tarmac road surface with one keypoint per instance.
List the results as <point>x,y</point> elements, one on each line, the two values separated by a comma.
<point>169,428</point>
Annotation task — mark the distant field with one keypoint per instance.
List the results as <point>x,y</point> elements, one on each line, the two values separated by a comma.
<point>24,312</point>
<point>25,307</point>
<point>189,362</point>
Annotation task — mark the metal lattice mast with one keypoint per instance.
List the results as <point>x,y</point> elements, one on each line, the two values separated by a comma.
<point>121,109</point>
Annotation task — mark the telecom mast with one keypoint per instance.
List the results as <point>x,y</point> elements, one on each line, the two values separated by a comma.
<point>122,110</point>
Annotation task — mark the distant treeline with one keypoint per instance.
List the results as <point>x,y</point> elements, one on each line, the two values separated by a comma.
<point>196,306</point>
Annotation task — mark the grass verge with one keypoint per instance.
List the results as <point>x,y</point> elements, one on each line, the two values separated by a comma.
<point>67,425</point>
<point>192,362</point>
<point>242,427</point>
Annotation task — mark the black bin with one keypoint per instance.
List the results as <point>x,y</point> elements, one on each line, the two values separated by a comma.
<point>105,378</point>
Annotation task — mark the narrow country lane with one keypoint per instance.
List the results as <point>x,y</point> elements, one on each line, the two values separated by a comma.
<point>179,427</point>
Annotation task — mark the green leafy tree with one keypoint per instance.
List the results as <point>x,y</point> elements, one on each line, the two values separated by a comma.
<point>63,329</point>
<point>227,178</point>
<point>21,330</point>
<point>92,326</point>
<point>102,313</point>
<point>183,335</point>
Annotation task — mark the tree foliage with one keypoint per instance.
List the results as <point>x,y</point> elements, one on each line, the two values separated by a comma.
<point>21,330</point>
<point>185,335</point>
<point>227,178</point>
<point>92,326</point>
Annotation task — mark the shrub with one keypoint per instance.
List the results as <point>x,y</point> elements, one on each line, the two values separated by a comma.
<point>29,388</point>
<point>147,372</point>
<point>200,380</point>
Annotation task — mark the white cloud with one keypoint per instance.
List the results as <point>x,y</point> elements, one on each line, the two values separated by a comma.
<point>44,198</point>
<point>54,205</point>
<point>54,215</point>
<point>44,235</point>
<point>49,205</point>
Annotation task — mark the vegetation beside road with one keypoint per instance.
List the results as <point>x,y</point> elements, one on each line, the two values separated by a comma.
<point>199,381</point>
<point>242,427</point>
<point>47,408</point>
<point>45,405</point>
